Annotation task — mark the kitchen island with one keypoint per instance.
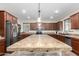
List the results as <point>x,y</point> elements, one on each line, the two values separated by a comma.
<point>40,43</point>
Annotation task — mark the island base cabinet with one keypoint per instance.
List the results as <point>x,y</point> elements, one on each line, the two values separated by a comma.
<point>75,45</point>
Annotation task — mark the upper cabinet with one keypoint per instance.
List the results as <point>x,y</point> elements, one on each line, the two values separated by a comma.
<point>4,16</point>
<point>44,26</point>
<point>75,21</point>
<point>60,25</point>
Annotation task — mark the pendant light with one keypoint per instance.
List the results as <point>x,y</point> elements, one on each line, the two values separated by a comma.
<point>39,17</point>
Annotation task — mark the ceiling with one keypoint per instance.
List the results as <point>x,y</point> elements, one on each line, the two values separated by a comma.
<point>47,10</point>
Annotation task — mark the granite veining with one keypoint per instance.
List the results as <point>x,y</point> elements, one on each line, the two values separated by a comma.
<point>39,43</point>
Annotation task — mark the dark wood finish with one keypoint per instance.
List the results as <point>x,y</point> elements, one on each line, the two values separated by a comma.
<point>4,16</point>
<point>23,35</point>
<point>75,21</point>
<point>75,45</point>
<point>59,25</point>
<point>44,26</point>
<point>59,37</point>
<point>33,26</point>
<point>2,47</point>
<point>54,26</point>
<point>2,20</point>
<point>53,35</point>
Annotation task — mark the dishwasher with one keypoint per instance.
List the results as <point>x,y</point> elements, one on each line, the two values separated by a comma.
<point>68,40</point>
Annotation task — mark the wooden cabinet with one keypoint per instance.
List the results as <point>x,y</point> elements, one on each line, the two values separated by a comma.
<point>75,21</point>
<point>53,35</point>
<point>33,26</point>
<point>2,23</point>
<point>75,45</point>
<point>59,25</point>
<point>2,46</point>
<point>4,17</point>
<point>59,37</point>
<point>44,26</point>
<point>23,35</point>
<point>54,26</point>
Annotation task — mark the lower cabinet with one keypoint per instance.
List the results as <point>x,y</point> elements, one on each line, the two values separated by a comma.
<point>75,45</point>
<point>2,47</point>
<point>23,35</point>
<point>53,35</point>
<point>59,37</point>
<point>74,42</point>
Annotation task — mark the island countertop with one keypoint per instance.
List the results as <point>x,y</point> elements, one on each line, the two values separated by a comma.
<point>39,42</point>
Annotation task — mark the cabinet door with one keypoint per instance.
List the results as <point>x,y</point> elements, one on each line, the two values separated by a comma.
<point>61,38</point>
<point>75,21</point>
<point>57,26</point>
<point>33,26</point>
<point>54,26</point>
<point>75,45</point>
<point>61,25</point>
<point>2,47</point>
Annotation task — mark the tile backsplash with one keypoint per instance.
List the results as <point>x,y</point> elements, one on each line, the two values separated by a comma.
<point>72,31</point>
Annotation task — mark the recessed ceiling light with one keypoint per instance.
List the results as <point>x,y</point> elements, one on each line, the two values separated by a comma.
<point>23,11</point>
<point>56,11</point>
<point>51,17</point>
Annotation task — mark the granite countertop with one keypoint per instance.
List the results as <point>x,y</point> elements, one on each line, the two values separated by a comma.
<point>70,35</point>
<point>39,42</point>
<point>66,35</point>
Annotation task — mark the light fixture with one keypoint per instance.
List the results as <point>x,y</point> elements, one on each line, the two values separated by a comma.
<point>23,11</point>
<point>56,11</point>
<point>39,17</point>
<point>39,25</point>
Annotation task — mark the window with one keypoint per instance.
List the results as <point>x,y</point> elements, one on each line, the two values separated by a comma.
<point>67,25</point>
<point>26,27</point>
